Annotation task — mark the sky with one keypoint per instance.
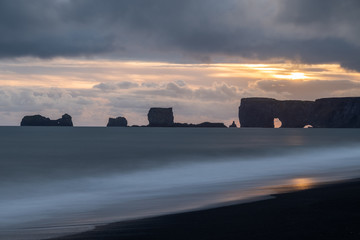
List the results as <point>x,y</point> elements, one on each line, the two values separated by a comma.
<point>99,59</point>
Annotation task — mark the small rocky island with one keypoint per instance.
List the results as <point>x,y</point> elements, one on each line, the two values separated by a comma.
<point>38,120</point>
<point>161,117</point>
<point>253,112</point>
<point>117,122</point>
<point>164,117</point>
<point>321,113</point>
<point>233,125</point>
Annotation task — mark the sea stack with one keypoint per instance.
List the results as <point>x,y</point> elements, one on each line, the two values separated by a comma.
<point>117,122</point>
<point>38,120</point>
<point>233,125</point>
<point>161,117</point>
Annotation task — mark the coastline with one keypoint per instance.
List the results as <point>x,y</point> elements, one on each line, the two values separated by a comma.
<point>327,211</point>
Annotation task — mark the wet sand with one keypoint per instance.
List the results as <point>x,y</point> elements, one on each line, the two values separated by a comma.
<point>330,211</point>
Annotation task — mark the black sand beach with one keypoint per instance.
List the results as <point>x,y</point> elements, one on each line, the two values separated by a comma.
<point>327,212</point>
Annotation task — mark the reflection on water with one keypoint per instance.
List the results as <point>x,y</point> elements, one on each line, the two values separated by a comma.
<point>302,183</point>
<point>295,140</point>
<point>294,184</point>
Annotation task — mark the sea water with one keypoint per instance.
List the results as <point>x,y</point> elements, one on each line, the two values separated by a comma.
<point>55,181</point>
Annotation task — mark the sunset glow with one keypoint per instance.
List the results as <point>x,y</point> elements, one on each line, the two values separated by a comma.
<point>72,73</point>
<point>121,58</point>
<point>86,87</point>
<point>121,112</point>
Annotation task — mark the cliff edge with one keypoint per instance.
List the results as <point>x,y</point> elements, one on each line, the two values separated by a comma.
<point>321,113</point>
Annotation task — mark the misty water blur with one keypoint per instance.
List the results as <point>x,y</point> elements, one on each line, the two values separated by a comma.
<point>59,180</point>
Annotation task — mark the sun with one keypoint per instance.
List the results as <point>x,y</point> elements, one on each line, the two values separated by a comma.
<point>297,75</point>
<point>293,76</point>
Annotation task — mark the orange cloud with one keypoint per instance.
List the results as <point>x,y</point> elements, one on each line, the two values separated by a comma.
<point>196,91</point>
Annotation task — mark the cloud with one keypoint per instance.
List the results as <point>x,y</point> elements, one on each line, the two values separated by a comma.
<point>321,31</point>
<point>177,89</point>
<point>23,99</point>
<point>127,85</point>
<point>320,12</point>
<point>191,104</point>
<point>218,102</point>
<point>308,89</point>
<point>95,105</point>
<point>114,86</point>
<point>180,90</point>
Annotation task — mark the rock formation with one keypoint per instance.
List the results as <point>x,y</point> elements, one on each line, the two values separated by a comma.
<point>161,117</point>
<point>38,120</point>
<point>336,113</point>
<point>321,113</point>
<point>233,125</point>
<point>117,122</point>
<point>164,117</point>
<point>200,125</point>
<point>210,125</point>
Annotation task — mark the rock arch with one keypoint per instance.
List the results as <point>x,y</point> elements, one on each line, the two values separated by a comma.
<point>322,113</point>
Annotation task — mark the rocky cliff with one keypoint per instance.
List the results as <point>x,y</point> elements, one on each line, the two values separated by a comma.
<point>117,122</point>
<point>322,113</point>
<point>336,113</point>
<point>161,117</point>
<point>38,120</point>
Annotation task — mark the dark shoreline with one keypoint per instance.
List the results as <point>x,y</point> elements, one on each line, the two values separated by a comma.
<point>330,211</point>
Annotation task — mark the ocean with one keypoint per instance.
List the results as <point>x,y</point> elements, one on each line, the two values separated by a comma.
<point>58,180</point>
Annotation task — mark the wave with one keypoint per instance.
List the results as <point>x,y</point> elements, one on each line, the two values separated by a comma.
<point>85,201</point>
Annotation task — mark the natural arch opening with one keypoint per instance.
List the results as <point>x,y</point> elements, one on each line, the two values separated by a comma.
<point>308,126</point>
<point>277,123</point>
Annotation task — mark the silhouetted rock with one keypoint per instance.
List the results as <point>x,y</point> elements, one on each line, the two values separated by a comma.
<point>201,125</point>
<point>322,113</point>
<point>38,120</point>
<point>117,122</point>
<point>161,117</point>
<point>211,125</point>
<point>183,125</point>
<point>336,113</point>
<point>233,125</point>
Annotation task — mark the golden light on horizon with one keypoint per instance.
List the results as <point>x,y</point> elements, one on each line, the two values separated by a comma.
<point>84,74</point>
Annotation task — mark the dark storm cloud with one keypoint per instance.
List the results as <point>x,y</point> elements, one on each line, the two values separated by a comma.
<point>302,30</point>
<point>320,11</point>
<point>330,30</point>
<point>41,28</point>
